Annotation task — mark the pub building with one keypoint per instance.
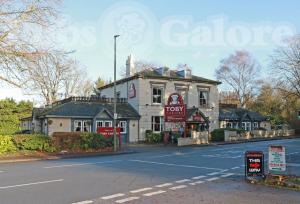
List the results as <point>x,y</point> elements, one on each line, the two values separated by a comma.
<point>149,91</point>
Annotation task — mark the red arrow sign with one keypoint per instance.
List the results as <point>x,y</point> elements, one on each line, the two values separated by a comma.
<point>254,165</point>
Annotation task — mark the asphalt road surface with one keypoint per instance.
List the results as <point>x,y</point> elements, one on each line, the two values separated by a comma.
<point>211,174</point>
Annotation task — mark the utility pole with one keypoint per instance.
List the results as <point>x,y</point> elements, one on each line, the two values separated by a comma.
<point>115,93</point>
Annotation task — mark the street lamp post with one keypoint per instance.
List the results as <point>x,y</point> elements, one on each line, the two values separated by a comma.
<point>115,94</point>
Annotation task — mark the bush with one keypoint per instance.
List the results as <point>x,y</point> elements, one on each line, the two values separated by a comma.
<point>217,135</point>
<point>34,142</point>
<point>153,137</point>
<point>6,144</point>
<point>81,141</point>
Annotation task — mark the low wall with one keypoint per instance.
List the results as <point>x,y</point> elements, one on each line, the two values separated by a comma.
<point>197,138</point>
<point>233,135</point>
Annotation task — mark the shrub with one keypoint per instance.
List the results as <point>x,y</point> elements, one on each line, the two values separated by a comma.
<point>6,144</point>
<point>217,135</point>
<point>34,142</point>
<point>153,137</point>
<point>81,141</point>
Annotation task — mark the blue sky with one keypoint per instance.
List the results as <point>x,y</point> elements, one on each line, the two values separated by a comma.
<point>194,32</point>
<point>203,59</point>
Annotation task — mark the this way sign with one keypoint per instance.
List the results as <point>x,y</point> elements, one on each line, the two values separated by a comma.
<point>277,161</point>
<point>254,164</point>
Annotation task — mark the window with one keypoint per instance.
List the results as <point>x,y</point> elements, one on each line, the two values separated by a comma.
<point>82,126</point>
<point>229,125</point>
<point>203,97</point>
<point>255,125</point>
<point>157,123</point>
<point>246,126</point>
<point>99,124</point>
<point>157,94</point>
<point>183,93</point>
<point>107,124</point>
<point>118,94</point>
<point>122,126</point>
<point>77,125</point>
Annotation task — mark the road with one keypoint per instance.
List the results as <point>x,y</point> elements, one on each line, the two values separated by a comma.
<point>210,174</point>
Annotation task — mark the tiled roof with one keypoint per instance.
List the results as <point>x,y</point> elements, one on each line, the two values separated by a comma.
<point>90,109</point>
<point>152,73</point>
<point>240,114</point>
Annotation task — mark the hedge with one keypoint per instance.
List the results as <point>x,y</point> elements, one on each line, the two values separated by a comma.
<point>217,135</point>
<point>34,142</point>
<point>6,144</point>
<point>81,141</point>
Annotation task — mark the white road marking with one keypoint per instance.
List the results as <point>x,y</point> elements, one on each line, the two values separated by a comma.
<point>197,182</point>
<point>30,184</point>
<point>224,170</point>
<point>292,153</point>
<point>178,187</point>
<point>183,180</point>
<point>213,179</point>
<point>198,177</point>
<point>154,193</point>
<point>112,196</point>
<point>140,190</point>
<point>127,199</point>
<point>235,167</point>
<point>178,165</point>
<point>214,173</point>
<point>80,164</point>
<point>84,202</point>
<point>293,164</point>
<point>226,175</point>
<point>164,185</point>
<point>1,171</point>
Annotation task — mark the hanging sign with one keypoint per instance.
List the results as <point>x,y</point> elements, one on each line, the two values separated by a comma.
<point>175,110</point>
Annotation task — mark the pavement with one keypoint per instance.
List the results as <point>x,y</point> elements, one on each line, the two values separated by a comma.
<point>155,174</point>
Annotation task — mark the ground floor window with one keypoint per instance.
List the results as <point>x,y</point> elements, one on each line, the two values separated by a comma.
<point>122,126</point>
<point>229,125</point>
<point>82,126</point>
<point>157,123</point>
<point>246,126</point>
<point>255,125</point>
<point>103,123</point>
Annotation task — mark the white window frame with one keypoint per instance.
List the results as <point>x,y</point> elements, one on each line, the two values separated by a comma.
<point>204,90</point>
<point>82,124</point>
<point>245,125</point>
<point>230,123</point>
<point>76,125</point>
<point>161,124</point>
<point>255,124</point>
<point>103,123</point>
<point>162,94</point>
<point>124,126</point>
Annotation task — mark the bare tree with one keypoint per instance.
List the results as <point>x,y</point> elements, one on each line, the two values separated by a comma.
<point>240,73</point>
<point>286,67</point>
<point>19,21</point>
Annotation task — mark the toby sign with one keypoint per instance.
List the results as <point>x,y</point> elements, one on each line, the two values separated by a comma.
<point>132,91</point>
<point>254,164</point>
<point>108,132</point>
<point>277,161</point>
<point>175,110</point>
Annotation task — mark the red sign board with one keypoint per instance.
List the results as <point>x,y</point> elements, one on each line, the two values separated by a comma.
<point>132,91</point>
<point>108,132</point>
<point>175,110</point>
<point>198,117</point>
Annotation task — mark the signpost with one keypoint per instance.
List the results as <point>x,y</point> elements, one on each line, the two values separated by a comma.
<point>277,162</point>
<point>254,164</point>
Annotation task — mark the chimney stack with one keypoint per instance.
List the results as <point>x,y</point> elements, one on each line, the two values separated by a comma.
<point>130,68</point>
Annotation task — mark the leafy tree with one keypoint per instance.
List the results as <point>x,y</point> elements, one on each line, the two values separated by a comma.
<point>10,114</point>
